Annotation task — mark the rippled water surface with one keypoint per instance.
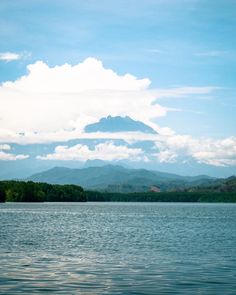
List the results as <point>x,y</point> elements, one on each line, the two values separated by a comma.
<point>117,248</point>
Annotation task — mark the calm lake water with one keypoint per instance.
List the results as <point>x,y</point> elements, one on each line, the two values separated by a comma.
<point>117,248</point>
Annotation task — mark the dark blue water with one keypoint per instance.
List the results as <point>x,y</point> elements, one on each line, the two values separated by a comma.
<point>118,248</point>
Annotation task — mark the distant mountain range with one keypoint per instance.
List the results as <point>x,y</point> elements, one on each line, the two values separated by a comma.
<point>37,161</point>
<point>119,124</point>
<point>114,178</point>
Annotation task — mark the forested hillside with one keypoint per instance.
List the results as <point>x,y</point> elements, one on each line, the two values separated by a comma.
<point>118,179</point>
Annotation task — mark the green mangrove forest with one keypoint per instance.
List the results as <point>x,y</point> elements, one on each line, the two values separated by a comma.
<point>20,191</point>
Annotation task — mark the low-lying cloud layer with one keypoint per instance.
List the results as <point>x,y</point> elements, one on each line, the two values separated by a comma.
<point>104,151</point>
<point>167,149</point>
<point>204,150</point>
<point>6,156</point>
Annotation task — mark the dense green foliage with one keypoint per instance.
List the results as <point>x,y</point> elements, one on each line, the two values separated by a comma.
<point>161,197</point>
<point>20,191</point>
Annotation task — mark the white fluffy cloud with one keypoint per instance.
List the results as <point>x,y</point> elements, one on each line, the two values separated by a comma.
<point>5,156</point>
<point>171,149</point>
<point>204,150</point>
<point>52,104</point>
<point>166,156</point>
<point>63,99</point>
<point>104,151</point>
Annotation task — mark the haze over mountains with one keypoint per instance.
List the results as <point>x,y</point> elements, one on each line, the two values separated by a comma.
<point>114,178</point>
<point>143,151</point>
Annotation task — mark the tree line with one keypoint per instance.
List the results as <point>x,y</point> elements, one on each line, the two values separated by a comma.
<point>230,197</point>
<point>20,191</point>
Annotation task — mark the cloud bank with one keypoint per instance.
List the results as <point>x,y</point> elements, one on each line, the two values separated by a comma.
<point>106,151</point>
<point>6,156</point>
<point>52,104</point>
<point>68,97</point>
<point>204,150</point>
<point>168,148</point>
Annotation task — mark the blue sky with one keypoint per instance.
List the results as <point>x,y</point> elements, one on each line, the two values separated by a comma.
<point>174,44</point>
<point>171,42</point>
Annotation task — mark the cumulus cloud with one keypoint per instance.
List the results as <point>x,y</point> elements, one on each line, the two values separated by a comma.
<point>51,104</point>
<point>104,151</point>
<point>5,156</point>
<point>168,148</point>
<point>203,150</point>
<point>217,153</point>
<point>9,56</point>
<point>166,156</point>
<point>64,99</point>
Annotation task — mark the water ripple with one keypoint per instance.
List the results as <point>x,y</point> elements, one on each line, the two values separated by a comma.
<point>117,248</point>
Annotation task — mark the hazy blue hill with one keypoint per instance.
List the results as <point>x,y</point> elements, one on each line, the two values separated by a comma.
<point>118,178</point>
<point>219,185</point>
<point>94,163</point>
<point>118,124</point>
<point>25,168</point>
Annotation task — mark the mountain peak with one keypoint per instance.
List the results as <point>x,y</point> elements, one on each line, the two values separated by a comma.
<point>119,124</point>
